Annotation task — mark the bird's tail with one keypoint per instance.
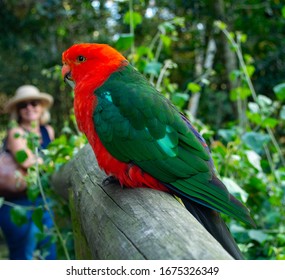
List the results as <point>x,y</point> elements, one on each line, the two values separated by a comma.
<point>215,225</point>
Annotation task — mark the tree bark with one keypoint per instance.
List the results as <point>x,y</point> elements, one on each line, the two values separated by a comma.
<point>112,222</point>
<point>207,66</point>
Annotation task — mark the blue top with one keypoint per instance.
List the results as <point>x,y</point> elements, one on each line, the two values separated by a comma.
<point>45,137</point>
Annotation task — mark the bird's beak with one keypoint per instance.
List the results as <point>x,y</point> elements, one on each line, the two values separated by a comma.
<point>66,73</point>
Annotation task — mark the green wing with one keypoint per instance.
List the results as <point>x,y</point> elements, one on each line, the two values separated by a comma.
<point>137,124</point>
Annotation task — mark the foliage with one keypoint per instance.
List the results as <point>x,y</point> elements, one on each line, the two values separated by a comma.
<point>248,155</point>
<point>34,34</point>
<point>60,151</point>
<point>241,111</point>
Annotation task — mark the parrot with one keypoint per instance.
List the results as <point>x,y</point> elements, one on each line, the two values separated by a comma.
<point>143,141</point>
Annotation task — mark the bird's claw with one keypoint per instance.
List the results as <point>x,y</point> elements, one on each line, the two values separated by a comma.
<point>110,180</point>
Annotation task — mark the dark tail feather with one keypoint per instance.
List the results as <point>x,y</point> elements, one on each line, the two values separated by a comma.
<point>215,225</point>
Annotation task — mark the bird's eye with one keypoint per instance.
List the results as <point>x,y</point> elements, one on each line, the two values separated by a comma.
<point>81,58</point>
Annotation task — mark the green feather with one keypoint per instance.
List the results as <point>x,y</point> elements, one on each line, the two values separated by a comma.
<point>137,124</point>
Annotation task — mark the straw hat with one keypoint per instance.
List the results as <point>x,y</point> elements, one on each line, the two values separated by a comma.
<point>25,93</point>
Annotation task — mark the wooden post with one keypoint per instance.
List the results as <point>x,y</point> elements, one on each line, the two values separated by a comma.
<point>112,222</point>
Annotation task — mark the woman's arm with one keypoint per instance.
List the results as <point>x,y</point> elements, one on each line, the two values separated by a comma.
<point>17,142</point>
<point>50,132</point>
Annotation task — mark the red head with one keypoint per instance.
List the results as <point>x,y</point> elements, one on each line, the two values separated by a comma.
<point>83,62</point>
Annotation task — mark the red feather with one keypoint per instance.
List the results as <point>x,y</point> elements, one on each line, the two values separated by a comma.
<point>129,175</point>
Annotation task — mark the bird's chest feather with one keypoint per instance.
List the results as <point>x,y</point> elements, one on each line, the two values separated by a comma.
<point>84,110</point>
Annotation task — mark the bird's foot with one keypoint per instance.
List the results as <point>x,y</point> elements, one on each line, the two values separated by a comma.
<point>110,180</point>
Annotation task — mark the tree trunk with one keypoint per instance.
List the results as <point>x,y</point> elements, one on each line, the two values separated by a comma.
<point>201,65</point>
<point>230,61</point>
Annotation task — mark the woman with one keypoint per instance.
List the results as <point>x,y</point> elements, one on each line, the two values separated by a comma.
<point>29,108</point>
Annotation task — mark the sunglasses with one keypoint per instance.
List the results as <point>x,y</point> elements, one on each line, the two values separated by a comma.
<point>23,105</point>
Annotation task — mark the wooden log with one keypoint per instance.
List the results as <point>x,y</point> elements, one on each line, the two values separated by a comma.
<point>130,224</point>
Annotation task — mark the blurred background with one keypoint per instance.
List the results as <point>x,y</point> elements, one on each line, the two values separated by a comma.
<point>221,62</point>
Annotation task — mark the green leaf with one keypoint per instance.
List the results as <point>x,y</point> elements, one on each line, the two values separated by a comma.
<point>166,27</point>
<point>19,215</point>
<point>21,156</point>
<point>250,70</point>
<point>2,199</point>
<point>153,68</point>
<point>179,99</point>
<point>16,135</point>
<point>194,87</point>
<point>37,217</point>
<point>255,141</point>
<point>257,235</point>
<point>282,113</point>
<point>279,90</point>
<point>254,159</point>
<point>227,134</point>
<point>240,233</point>
<point>179,21</point>
<point>254,117</point>
<point>264,101</point>
<point>166,40</point>
<point>235,189</point>
<point>270,122</point>
<point>280,257</point>
<point>258,184</point>
<point>248,59</point>
<point>283,11</point>
<point>33,192</point>
<point>272,218</point>
<point>61,31</point>
<point>240,93</point>
<point>221,25</point>
<point>243,38</point>
<point>281,239</point>
<point>253,107</point>
<point>143,50</point>
<point>137,18</point>
<point>124,42</point>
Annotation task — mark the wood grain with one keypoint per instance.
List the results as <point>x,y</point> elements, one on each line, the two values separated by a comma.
<point>111,222</point>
